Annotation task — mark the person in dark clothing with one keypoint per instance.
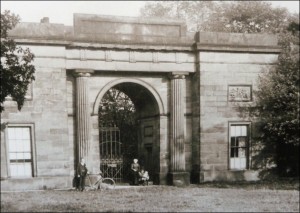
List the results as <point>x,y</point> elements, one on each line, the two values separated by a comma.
<point>135,168</point>
<point>81,173</point>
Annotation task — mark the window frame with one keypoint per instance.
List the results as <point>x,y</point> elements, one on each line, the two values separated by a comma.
<point>31,127</point>
<point>248,158</point>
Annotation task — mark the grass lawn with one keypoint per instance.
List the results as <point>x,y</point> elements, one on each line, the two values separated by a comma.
<point>212,197</point>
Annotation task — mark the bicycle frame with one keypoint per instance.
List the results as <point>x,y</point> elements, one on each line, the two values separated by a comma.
<point>99,182</point>
<point>96,184</point>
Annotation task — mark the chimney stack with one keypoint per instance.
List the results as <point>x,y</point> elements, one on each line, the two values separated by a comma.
<point>45,20</point>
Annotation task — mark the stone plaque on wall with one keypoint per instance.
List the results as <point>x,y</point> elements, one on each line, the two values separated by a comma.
<point>239,93</point>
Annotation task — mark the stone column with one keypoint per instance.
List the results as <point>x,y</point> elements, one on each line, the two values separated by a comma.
<point>82,114</point>
<point>178,175</point>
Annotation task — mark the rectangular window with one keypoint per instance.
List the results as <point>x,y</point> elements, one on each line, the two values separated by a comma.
<point>20,151</point>
<point>239,146</point>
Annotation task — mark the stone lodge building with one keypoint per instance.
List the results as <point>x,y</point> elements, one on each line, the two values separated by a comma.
<point>184,85</point>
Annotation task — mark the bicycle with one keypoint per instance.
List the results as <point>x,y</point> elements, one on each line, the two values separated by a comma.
<point>100,183</point>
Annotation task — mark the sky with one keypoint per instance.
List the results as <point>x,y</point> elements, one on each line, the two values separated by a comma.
<point>62,11</point>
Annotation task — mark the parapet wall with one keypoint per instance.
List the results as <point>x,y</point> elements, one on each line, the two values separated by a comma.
<point>144,31</point>
<point>98,24</point>
<point>241,42</point>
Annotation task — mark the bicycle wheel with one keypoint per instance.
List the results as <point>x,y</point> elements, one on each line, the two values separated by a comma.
<point>107,183</point>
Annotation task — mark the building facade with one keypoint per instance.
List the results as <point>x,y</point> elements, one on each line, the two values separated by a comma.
<point>185,87</point>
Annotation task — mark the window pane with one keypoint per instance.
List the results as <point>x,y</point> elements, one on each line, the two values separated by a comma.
<point>27,170</point>
<point>231,163</point>
<point>11,133</point>
<point>26,133</point>
<point>242,141</point>
<point>20,155</point>
<point>12,146</point>
<point>21,169</point>
<point>232,152</point>
<point>18,133</point>
<point>27,155</point>
<point>232,131</point>
<point>238,131</point>
<point>243,130</point>
<point>242,152</point>
<point>26,144</point>
<point>232,142</point>
<point>19,145</point>
<point>237,163</point>
<point>242,163</point>
<point>13,170</point>
<point>12,156</point>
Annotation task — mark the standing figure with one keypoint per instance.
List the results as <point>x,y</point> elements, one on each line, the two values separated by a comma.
<point>81,173</point>
<point>135,168</point>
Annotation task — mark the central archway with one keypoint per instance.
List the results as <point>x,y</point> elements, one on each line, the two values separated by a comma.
<point>146,128</point>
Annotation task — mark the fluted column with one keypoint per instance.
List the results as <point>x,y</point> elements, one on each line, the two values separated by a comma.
<point>177,154</point>
<point>82,113</point>
<point>177,123</point>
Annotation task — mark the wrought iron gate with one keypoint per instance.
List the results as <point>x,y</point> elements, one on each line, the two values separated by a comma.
<point>111,158</point>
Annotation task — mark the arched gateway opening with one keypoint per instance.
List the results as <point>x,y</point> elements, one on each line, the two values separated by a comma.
<point>129,127</point>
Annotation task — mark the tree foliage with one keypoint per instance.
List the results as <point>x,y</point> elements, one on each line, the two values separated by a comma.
<point>227,16</point>
<point>248,17</point>
<point>17,70</point>
<point>276,113</point>
<point>116,109</point>
<point>194,13</point>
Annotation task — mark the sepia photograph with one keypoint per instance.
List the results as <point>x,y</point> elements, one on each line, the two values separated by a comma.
<point>150,106</point>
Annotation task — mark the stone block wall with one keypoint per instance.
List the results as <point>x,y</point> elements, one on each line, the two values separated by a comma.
<point>46,111</point>
<point>218,70</point>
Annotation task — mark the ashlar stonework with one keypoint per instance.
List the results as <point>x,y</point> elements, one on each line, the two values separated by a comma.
<point>191,83</point>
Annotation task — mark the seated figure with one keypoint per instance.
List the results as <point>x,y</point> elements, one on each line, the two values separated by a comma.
<point>144,177</point>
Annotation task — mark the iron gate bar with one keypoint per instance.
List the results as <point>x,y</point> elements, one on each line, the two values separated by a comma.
<point>111,153</point>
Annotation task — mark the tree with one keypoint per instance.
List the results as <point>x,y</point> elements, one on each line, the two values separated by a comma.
<point>228,16</point>
<point>17,72</point>
<point>194,13</point>
<point>276,113</point>
<point>248,17</point>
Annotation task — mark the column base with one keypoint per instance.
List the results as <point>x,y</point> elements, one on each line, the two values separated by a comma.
<point>179,178</point>
<point>160,179</point>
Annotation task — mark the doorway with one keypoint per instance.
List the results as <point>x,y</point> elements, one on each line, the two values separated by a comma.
<point>124,110</point>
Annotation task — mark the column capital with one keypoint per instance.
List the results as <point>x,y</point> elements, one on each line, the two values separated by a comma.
<point>178,75</point>
<point>83,72</point>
